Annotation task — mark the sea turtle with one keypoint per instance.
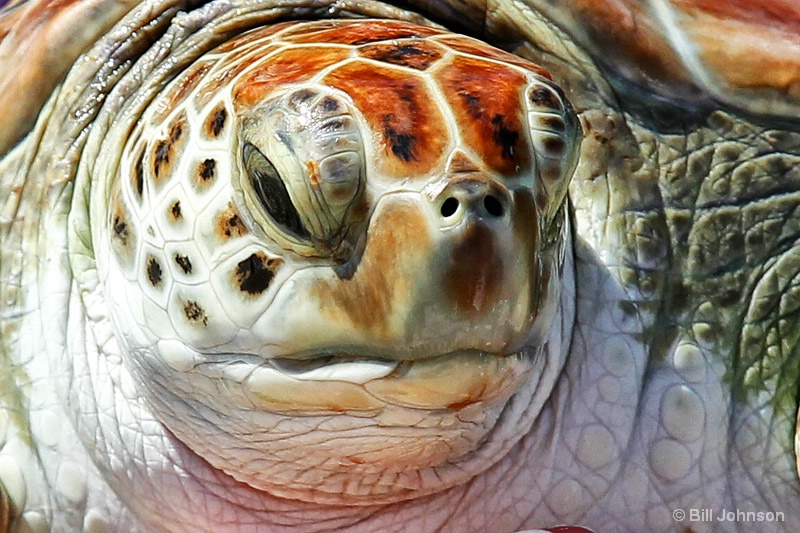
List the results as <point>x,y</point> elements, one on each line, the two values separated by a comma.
<point>314,265</point>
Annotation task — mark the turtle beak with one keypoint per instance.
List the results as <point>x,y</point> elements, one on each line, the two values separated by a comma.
<point>447,268</point>
<point>483,271</point>
<point>473,215</point>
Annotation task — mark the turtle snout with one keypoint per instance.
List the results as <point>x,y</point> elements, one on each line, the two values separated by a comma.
<point>474,198</point>
<point>477,267</point>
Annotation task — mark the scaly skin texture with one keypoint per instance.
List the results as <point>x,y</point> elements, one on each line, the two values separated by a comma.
<point>676,331</point>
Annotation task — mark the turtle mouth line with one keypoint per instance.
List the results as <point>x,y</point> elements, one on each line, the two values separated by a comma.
<point>362,368</point>
<point>351,369</point>
<point>345,383</point>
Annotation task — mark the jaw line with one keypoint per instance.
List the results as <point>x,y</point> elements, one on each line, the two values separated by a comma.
<point>340,384</point>
<point>358,368</point>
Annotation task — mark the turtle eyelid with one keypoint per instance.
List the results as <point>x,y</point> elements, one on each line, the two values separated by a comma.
<point>271,192</point>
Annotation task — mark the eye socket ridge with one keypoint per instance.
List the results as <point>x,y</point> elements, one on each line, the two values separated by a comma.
<point>271,192</point>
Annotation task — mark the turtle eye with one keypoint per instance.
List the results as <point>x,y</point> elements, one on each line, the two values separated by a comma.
<point>271,191</point>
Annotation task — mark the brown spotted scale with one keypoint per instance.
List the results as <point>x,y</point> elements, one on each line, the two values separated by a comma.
<point>410,103</point>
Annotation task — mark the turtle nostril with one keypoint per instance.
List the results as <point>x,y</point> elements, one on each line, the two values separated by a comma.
<point>493,206</point>
<point>449,207</point>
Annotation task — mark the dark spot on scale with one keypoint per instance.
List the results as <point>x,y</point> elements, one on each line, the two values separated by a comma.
<point>123,234</point>
<point>138,175</point>
<point>301,98</point>
<point>504,137</point>
<point>233,226</point>
<point>229,224</point>
<point>402,144</point>
<point>154,273</point>
<point>553,123</point>
<point>175,210</point>
<point>161,157</point>
<point>554,145</point>
<point>195,313</point>
<point>542,97</point>
<point>328,105</point>
<point>164,151</point>
<point>417,55</point>
<point>121,230</point>
<point>207,171</point>
<point>408,50</point>
<point>184,262</point>
<point>254,274</point>
<point>176,132</point>
<point>473,104</point>
<point>216,121</point>
<point>407,93</point>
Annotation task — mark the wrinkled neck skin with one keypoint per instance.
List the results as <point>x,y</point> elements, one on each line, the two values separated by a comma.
<point>177,490</point>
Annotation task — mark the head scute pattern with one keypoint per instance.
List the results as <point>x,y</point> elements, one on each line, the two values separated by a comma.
<point>311,196</point>
<point>302,129</point>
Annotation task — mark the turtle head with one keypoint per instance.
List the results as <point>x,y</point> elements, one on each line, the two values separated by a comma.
<point>364,237</point>
<point>409,238</point>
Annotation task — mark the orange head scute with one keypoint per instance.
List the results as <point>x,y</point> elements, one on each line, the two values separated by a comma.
<point>397,106</point>
<point>485,97</point>
<point>422,91</point>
